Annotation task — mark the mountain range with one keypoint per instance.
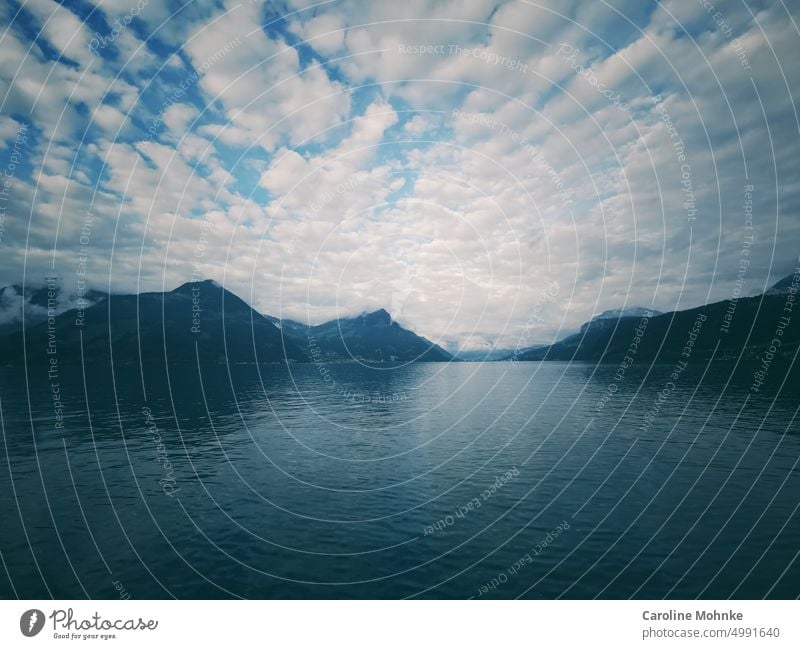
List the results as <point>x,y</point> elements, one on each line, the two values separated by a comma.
<point>740,328</point>
<point>370,337</point>
<point>204,321</point>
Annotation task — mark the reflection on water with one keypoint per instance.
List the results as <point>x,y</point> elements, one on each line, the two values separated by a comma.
<point>435,480</point>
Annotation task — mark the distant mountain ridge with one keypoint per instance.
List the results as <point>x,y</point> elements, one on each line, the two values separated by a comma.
<point>197,320</point>
<point>781,287</point>
<point>370,337</point>
<point>204,321</point>
<point>484,355</point>
<point>627,312</point>
<point>732,329</point>
<point>607,319</point>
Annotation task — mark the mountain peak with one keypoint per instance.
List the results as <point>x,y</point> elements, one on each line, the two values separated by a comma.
<point>627,312</point>
<point>206,284</point>
<point>371,337</point>
<point>381,316</point>
<point>610,318</point>
<point>783,286</point>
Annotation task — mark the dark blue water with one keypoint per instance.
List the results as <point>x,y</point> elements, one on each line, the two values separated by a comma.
<point>432,480</point>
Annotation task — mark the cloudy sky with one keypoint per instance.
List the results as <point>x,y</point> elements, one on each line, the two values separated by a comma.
<point>484,170</point>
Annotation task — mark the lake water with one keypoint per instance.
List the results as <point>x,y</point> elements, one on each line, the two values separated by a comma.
<point>432,480</point>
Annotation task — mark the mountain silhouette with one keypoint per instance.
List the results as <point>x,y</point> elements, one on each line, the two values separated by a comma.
<point>729,330</point>
<point>206,322</point>
<point>197,320</point>
<point>370,337</point>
